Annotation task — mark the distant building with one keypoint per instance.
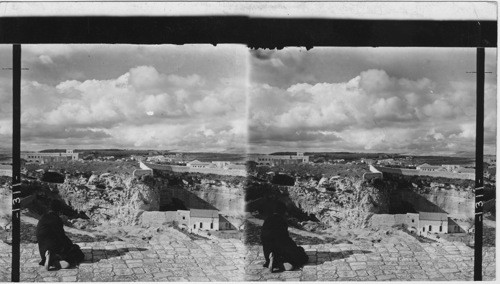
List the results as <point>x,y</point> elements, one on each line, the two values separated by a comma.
<point>429,168</point>
<point>386,161</point>
<point>367,161</point>
<point>198,164</point>
<point>451,168</point>
<point>158,158</point>
<point>221,164</point>
<point>492,160</point>
<point>274,160</point>
<point>42,158</point>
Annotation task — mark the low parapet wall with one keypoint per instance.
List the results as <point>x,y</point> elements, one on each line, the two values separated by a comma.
<point>388,220</point>
<point>186,169</point>
<point>414,172</point>
<point>373,174</point>
<point>216,171</point>
<point>158,219</point>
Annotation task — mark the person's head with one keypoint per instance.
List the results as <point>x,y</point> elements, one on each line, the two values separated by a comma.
<point>55,205</point>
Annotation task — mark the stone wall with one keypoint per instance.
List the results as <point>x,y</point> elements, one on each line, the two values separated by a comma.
<point>158,219</point>
<point>412,172</point>
<point>185,169</point>
<point>140,172</point>
<point>369,176</point>
<point>381,220</point>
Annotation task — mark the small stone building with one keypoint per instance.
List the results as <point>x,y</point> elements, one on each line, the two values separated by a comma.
<point>433,222</point>
<point>429,168</point>
<point>203,220</point>
<point>426,222</point>
<point>198,164</point>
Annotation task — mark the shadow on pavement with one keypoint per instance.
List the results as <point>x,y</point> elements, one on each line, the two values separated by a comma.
<point>95,255</point>
<point>324,256</point>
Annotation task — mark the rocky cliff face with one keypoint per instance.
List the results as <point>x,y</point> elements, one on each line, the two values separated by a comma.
<point>226,196</point>
<point>349,202</point>
<point>453,196</point>
<point>117,199</point>
<point>340,202</point>
<point>456,200</point>
<point>336,202</point>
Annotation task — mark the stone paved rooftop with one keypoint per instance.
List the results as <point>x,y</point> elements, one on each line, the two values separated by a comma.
<point>230,260</point>
<point>378,262</point>
<point>204,260</point>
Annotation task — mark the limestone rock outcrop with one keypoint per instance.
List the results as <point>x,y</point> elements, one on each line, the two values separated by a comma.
<point>344,203</point>
<point>119,199</point>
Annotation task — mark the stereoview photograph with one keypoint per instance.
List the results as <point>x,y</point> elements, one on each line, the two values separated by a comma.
<point>362,164</point>
<point>228,163</point>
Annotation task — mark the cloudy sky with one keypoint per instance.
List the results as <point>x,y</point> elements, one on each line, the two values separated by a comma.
<point>405,100</point>
<point>187,98</point>
<point>194,98</point>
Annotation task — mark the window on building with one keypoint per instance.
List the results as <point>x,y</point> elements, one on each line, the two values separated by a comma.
<point>413,220</point>
<point>423,229</point>
<point>430,228</point>
<point>211,225</point>
<point>440,228</point>
<point>201,225</point>
<point>183,217</point>
<point>194,226</point>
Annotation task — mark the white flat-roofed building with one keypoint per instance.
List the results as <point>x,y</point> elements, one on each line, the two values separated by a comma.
<point>429,168</point>
<point>198,164</point>
<point>433,223</point>
<point>42,157</point>
<point>204,219</point>
<point>221,164</point>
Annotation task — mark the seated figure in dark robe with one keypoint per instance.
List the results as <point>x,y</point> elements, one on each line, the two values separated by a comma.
<point>56,249</point>
<point>280,251</point>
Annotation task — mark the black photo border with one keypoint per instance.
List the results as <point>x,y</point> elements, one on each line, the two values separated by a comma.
<point>253,32</point>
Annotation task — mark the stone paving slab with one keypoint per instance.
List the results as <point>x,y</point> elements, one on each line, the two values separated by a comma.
<point>5,262</point>
<point>230,260</point>
<point>204,260</point>
<point>378,262</point>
